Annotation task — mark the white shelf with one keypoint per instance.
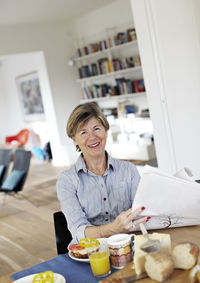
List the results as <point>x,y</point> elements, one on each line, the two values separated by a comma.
<point>116,47</point>
<point>112,74</point>
<point>115,97</point>
<point>122,150</point>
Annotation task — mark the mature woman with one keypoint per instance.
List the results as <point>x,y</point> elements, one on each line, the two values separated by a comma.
<point>96,194</point>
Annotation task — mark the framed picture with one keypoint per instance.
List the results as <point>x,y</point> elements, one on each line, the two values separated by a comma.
<point>30,97</point>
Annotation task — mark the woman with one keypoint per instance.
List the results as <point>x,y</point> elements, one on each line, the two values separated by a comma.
<point>96,194</point>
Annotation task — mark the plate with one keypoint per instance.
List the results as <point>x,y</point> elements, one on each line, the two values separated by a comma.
<point>103,243</point>
<point>58,278</point>
<point>78,259</point>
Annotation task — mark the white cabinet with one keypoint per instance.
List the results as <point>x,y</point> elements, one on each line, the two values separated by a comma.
<point>110,73</point>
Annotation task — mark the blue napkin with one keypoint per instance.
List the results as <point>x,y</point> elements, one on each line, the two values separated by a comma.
<point>73,271</point>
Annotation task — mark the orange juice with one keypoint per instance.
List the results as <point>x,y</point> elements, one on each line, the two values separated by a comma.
<point>100,263</point>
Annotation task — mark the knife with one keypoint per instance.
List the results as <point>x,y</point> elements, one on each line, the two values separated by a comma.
<point>128,279</point>
<point>135,277</point>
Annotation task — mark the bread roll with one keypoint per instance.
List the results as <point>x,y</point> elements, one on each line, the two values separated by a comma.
<point>185,255</point>
<point>195,274</point>
<point>159,266</point>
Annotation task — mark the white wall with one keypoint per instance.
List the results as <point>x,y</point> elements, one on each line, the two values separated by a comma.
<point>117,14</point>
<point>168,38</point>
<point>4,105</point>
<point>12,67</point>
<point>170,57</point>
<point>57,46</point>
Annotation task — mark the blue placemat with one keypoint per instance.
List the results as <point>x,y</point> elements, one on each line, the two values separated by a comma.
<point>73,271</point>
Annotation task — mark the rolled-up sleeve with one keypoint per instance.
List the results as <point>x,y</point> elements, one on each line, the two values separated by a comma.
<point>67,195</point>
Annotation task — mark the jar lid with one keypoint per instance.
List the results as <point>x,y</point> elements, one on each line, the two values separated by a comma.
<point>119,239</point>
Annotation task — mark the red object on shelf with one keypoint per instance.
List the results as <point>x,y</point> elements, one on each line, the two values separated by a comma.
<point>18,140</point>
<point>139,85</point>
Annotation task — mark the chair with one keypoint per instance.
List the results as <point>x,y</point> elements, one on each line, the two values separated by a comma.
<point>62,234</point>
<point>20,169</point>
<point>5,157</point>
<point>20,139</point>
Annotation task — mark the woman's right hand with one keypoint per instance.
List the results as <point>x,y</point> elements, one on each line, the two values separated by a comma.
<point>125,222</point>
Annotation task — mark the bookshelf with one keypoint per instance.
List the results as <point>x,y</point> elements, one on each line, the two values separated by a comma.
<point>119,98</point>
<point>110,49</point>
<point>110,73</point>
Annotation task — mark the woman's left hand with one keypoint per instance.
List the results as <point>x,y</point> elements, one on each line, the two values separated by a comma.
<point>136,222</point>
<point>125,222</point>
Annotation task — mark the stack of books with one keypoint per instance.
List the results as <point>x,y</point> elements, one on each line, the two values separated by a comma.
<point>122,86</point>
<point>119,38</point>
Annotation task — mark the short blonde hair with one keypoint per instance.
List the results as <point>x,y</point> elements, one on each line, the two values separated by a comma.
<point>81,114</point>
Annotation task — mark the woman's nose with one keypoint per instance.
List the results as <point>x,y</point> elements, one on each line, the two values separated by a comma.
<point>92,135</point>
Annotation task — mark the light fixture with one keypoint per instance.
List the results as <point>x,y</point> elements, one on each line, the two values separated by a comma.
<point>71,62</point>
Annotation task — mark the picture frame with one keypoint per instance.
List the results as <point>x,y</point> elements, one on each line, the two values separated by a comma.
<point>30,97</point>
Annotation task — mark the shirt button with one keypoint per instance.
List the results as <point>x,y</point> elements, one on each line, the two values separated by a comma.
<point>106,212</point>
<point>104,199</point>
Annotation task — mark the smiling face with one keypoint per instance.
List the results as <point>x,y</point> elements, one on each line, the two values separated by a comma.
<point>91,138</point>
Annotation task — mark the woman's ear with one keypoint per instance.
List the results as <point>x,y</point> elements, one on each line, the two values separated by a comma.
<point>74,141</point>
<point>76,144</point>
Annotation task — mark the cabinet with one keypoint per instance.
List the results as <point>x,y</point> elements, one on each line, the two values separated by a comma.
<point>110,73</point>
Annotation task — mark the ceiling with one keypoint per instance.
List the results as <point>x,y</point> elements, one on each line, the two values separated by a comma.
<point>18,12</point>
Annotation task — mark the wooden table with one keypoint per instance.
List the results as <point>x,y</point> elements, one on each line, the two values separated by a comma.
<point>5,279</point>
<point>177,235</point>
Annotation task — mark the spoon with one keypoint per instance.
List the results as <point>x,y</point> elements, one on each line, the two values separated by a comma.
<point>149,246</point>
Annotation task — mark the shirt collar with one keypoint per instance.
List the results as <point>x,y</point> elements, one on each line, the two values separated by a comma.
<point>111,162</point>
<point>80,163</point>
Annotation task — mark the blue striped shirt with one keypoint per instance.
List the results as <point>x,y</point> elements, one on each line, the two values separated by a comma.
<point>87,199</point>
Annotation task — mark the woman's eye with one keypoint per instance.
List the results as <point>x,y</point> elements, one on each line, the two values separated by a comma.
<point>97,128</point>
<point>83,133</point>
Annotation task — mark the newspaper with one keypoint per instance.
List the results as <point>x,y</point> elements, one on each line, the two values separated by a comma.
<point>171,201</point>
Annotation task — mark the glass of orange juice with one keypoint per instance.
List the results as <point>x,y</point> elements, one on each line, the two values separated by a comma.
<point>100,262</point>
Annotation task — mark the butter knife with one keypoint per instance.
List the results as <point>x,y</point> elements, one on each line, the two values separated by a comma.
<point>128,279</point>
<point>135,277</point>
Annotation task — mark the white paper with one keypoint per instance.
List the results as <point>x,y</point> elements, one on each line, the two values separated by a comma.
<point>169,200</point>
<point>186,174</point>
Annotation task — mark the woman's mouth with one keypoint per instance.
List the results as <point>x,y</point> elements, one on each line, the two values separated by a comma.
<point>94,145</point>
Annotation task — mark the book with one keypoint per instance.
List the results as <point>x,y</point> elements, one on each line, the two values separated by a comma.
<point>80,73</point>
<point>79,52</point>
<point>139,85</point>
<point>94,69</point>
<point>131,34</point>
<point>136,60</point>
<point>85,71</point>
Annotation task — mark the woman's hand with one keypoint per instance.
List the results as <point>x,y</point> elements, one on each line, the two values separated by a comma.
<point>126,221</point>
<point>136,222</point>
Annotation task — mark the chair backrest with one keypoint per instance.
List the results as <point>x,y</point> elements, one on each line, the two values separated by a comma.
<point>62,234</point>
<point>21,162</point>
<point>5,157</point>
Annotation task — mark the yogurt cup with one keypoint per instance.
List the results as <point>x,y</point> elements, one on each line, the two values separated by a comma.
<point>120,248</point>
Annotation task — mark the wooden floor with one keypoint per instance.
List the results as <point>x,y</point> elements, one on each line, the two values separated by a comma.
<point>26,223</point>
